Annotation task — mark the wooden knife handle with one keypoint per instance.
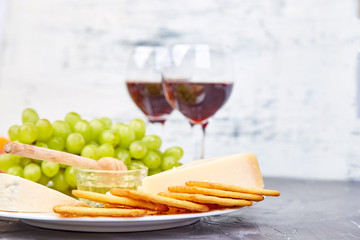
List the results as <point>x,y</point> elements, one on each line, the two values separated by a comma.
<point>30,151</point>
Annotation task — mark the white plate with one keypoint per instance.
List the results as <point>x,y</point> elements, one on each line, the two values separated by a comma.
<point>103,224</point>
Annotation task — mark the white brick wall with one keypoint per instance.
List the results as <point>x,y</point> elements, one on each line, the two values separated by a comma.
<point>293,103</point>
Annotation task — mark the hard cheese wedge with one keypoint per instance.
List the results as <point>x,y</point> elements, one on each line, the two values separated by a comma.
<point>240,169</point>
<point>21,195</point>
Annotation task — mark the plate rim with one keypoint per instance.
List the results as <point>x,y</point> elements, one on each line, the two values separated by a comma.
<point>54,217</point>
<point>110,224</point>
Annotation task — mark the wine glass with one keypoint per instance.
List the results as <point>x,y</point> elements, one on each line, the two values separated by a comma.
<point>143,81</point>
<point>198,80</point>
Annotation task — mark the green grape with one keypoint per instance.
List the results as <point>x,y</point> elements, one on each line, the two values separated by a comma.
<point>68,192</point>
<point>97,127</point>
<point>69,176</point>
<point>117,126</point>
<point>178,164</point>
<point>176,152</point>
<point>109,136</point>
<point>32,172</point>
<point>159,153</point>
<point>106,150</point>
<point>139,127</point>
<point>95,143</point>
<point>152,160</point>
<point>168,162</point>
<point>56,143</point>
<point>107,122</point>
<point>152,142</point>
<point>14,132</point>
<point>44,129</point>
<point>83,127</point>
<point>123,155</point>
<point>36,161</point>
<point>16,170</point>
<point>90,151</point>
<point>136,164</point>
<point>61,129</point>
<point>27,133</point>
<point>74,143</point>
<point>50,169</point>
<point>138,149</point>
<point>29,115</point>
<point>59,182</point>
<point>71,118</point>
<point>154,171</point>
<point>7,161</point>
<point>44,180</point>
<point>41,144</point>
<point>127,135</point>
<point>24,161</point>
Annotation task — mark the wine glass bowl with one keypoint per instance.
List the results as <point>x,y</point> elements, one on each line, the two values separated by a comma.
<point>197,101</point>
<point>198,80</point>
<point>143,81</point>
<point>149,97</point>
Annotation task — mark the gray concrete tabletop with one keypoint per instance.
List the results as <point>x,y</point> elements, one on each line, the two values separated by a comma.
<point>306,209</point>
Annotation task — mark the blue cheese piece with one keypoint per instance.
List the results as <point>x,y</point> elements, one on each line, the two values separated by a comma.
<point>21,195</point>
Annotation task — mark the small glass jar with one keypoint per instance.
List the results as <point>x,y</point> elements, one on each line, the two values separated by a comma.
<point>101,181</point>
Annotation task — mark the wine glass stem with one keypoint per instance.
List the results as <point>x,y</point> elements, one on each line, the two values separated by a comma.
<point>156,128</point>
<point>198,134</point>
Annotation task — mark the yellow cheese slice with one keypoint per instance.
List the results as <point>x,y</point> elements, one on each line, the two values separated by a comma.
<point>239,169</point>
<point>21,195</point>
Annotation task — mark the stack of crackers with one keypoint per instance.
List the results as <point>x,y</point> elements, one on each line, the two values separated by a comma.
<point>194,197</point>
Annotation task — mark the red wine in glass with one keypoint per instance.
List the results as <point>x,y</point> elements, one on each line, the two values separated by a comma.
<point>197,101</point>
<point>198,79</point>
<point>150,98</point>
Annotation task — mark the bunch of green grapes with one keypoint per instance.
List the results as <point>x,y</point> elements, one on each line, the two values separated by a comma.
<point>92,139</point>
